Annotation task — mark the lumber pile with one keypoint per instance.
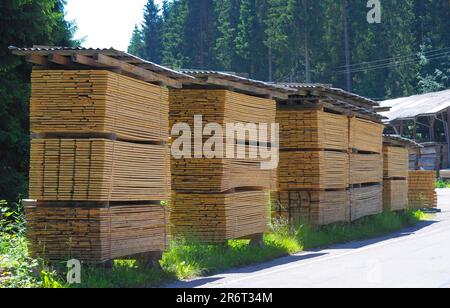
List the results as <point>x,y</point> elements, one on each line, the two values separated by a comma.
<point>396,162</point>
<point>98,170</point>
<point>99,164</point>
<point>366,136</point>
<point>95,234</point>
<point>312,129</point>
<point>88,101</point>
<point>366,168</point>
<point>318,208</point>
<point>219,175</point>
<point>312,170</point>
<point>395,171</point>
<point>422,189</point>
<point>215,218</point>
<point>217,199</point>
<point>395,195</point>
<point>219,106</point>
<point>366,201</point>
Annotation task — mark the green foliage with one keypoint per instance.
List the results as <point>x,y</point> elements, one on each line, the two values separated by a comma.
<point>290,40</point>
<point>442,184</point>
<point>137,45</point>
<point>22,23</point>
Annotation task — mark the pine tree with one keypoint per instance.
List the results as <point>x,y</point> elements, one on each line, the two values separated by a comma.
<point>174,36</point>
<point>137,45</point>
<point>152,26</point>
<point>227,12</point>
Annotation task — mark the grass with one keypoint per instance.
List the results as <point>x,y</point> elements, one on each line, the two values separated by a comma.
<point>187,260</point>
<point>442,184</point>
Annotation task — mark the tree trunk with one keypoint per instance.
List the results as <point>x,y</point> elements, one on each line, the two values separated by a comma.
<point>346,12</point>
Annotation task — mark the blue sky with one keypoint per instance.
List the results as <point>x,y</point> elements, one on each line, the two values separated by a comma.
<point>105,23</point>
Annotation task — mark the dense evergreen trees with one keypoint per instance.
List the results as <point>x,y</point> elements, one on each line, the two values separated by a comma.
<point>22,23</point>
<point>306,41</point>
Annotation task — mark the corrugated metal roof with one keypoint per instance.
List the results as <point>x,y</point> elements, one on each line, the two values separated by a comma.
<point>331,90</point>
<point>418,105</point>
<point>111,52</point>
<point>235,78</point>
<point>397,139</point>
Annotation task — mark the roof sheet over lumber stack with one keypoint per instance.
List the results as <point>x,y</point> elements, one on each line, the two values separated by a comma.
<point>422,189</point>
<point>98,101</point>
<point>317,208</point>
<point>215,218</point>
<point>95,234</point>
<point>106,59</point>
<point>312,129</point>
<point>313,170</point>
<point>98,170</point>
<point>366,168</point>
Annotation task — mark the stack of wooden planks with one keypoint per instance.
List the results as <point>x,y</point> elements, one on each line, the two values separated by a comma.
<point>366,201</point>
<point>98,170</point>
<point>366,168</point>
<point>220,174</point>
<point>219,106</point>
<point>100,165</point>
<point>422,189</point>
<point>366,136</point>
<point>313,172</point>
<point>396,164</point>
<point>92,101</point>
<point>317,208</point>
<point>217,199</point>
<point>215,218</point>
<point>312,129</point>
<point>95,234</point>
<point>395,195</point>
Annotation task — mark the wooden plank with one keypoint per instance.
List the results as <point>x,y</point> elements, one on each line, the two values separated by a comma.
<point>395,195</point>
<point>135,70</point>
<point>58,59</point>
<point>38,60</point>
<point>422,189</point>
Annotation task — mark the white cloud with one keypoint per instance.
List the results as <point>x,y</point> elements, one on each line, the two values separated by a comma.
<point>105,23</point>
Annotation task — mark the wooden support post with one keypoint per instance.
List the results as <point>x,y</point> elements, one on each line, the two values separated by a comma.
<point>149,259</point>
<point>432,129</point>
<point>257,240</point>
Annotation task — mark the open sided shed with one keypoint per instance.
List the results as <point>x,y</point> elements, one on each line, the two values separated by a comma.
<point>425,119</point>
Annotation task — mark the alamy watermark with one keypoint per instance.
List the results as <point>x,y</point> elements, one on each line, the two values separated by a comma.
<point>374,15</point>
<point>73,271</point>
<point>233,140</point>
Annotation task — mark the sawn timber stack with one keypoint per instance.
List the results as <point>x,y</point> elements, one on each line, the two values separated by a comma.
<point>313,173</point>
<point>395,170</point>
<point>99,165</point>
<point>422,189</point>
<point>221,197</point>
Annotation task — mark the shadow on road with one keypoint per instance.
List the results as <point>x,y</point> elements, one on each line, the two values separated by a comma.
<point>398,234</point>
<point>247,270</point>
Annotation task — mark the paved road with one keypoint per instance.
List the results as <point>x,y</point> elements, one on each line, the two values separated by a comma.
<point>417,257</point>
